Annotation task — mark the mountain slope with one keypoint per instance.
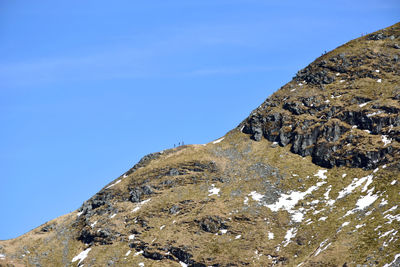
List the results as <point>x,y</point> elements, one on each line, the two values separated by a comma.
<point>310,178</point>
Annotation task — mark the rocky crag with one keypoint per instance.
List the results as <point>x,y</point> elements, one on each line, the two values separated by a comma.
<point>310,178</point>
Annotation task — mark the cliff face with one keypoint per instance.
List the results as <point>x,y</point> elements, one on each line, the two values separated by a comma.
<point>342,109</point>
<point>310,178</point>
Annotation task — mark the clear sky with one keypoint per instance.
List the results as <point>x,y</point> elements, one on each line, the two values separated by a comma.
<point>89,87</point>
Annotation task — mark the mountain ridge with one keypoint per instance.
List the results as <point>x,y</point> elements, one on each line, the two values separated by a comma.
<point>310,178</point>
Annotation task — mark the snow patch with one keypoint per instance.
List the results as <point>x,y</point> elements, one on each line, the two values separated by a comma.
<point>127,254</point>
<point>93,224</point>
<point>223,231</point>
<point>183,264</point>
<point>117,182</point>
<point>238,236</point>
<point>162,227</point>
<point>131,237</point>
<point>322,219</point>
<point>138,253</point>
<point>354,184</point>
<point>213,190</point>
<point>322,247</point>
<point>345,224</point>
<point>81,256</point>
<point>139,205</point>
<point>219,140</point>
<point>270,235</point>
<point>379,80</point>
<point>2,256</point>
<point>79,214</point>
<point>366,200</point>
<point>289,235</point>
<point>393,262</point>
<point>393,182</point>
<point>321,174</point>
<point>141,264</point>
<point>386,140</point>
<point>112,216</point>
<point>256,196</point>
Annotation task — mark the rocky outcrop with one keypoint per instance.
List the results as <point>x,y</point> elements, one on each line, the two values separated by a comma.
<point>333,123</point>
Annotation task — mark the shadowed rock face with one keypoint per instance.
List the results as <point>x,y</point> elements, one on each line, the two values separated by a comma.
<point>317,111</point>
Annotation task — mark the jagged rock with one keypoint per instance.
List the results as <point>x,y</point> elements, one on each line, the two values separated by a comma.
<point>173,172</point>
<point>100,199</point>
<point>174,209</point>
<point>137,193</point>
<point>211,224</point>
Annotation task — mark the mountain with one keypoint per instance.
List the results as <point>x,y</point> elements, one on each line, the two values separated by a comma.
<point>310,178</point>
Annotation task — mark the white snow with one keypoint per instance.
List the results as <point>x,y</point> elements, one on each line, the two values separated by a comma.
<point>383,202</point>
<point>379,80</point>
<point>270,235</point>
<point>93,224</point>
<point>387,233</point>
<point>213,190</point>
<point>129,252</point>
<point>365,201</point>
<point>81,256</point>
<point>297,216</point>
<point>162,227</point>
<point>386,140</point>
<point>377,71</point>
<point>345,224</point>
<point>219,140</point>
<point>344,175</point>
<point>141,264</point>
<point>289,201</point>
<point>183,264</point>
<point>293,90</point>
<point>354,184</point>
<point>238,236</point>
<point>79,214</point>
<point>289,235</point>
<point>327,101</point>
<point>131,237</point>
<point>139,205</point>
<point>256,196</point>
<point>326,194</point>
<point>341,81</point>
<point>358,226</point>
<point>394,261</point>
<point>322,219</point>
<point>391,209</point>
<point>112,216</point>
<point>241,129</point>
<point>337,74</point>
<point>138,253</point>
<point>117,182</point>
<point>321,247</point>
<point>223,231</point>
<point>391,218</point>
<point>367,131</point>
<point>321,174</point>
<point>393,182</point>
<point>2,256</point>
<point>246,200</point>
<point>374,113</point>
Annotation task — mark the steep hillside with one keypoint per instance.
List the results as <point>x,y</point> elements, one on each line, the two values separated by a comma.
<point>310,178</point>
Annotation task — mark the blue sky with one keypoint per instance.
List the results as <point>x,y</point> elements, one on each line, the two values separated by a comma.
<point>89,87</point>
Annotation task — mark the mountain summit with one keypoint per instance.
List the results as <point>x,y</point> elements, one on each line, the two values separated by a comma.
<point>310,178</point>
